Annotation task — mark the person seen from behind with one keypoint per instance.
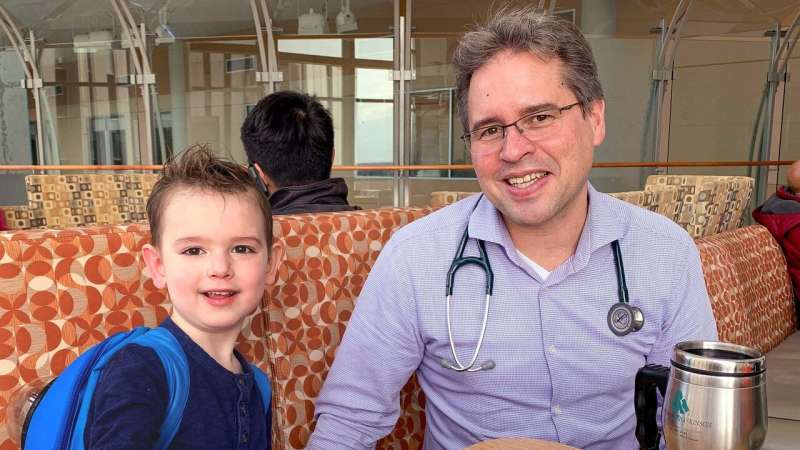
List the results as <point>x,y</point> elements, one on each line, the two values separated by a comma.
<point>288,138</point>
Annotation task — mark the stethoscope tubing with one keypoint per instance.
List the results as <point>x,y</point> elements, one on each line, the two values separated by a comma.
<point>458,367</point>
<point>483,261</point>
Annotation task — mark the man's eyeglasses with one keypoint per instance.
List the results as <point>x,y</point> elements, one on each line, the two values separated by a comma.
<point>530,125</point>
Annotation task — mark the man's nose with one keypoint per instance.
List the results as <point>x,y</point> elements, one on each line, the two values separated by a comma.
<point>515,145</point>
<point>219,266</point>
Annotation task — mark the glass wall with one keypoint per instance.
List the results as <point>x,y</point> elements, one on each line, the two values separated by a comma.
<point>790,139</point>
<point>204,55</point>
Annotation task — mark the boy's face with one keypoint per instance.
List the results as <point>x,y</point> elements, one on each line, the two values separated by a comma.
<point>213,258</point>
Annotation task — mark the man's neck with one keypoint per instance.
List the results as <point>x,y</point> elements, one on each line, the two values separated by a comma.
<point>553,242</point>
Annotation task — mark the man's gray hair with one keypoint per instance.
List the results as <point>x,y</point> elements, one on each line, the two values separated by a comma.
<point>525,29</point>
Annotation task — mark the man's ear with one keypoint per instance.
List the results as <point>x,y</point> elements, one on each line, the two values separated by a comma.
<point>275,259</point>
<point>597,118</point>
<point>267,180</point>
<point>155,265</point>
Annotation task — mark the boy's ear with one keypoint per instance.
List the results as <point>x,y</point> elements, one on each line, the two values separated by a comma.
<point>155,265</point>
<point>275,260</point>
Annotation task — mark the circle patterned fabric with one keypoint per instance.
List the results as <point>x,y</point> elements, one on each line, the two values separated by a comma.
<point>328,258</point>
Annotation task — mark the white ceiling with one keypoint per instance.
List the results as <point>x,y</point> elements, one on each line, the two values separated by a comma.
<point>59,20</point>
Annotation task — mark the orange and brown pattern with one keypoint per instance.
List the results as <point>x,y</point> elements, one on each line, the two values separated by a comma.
<point>660,201</point>
<point>443,198</point>
<point>62,291</point>
<point>328,258</point>
<point>58,201</point>
<point>705,204</point>
<point>749,286</point>
<point>17,217</point>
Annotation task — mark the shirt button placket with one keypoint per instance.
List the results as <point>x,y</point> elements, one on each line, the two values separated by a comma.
<point>244,424</point>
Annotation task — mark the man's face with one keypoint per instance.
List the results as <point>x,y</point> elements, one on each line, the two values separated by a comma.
<point>534,182</point>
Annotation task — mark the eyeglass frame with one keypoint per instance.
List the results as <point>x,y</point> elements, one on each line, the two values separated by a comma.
<point>466,137</point>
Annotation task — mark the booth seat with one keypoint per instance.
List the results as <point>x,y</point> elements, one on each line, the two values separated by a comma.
<point>16,217</point>
<point>59,201</point>
<point>64,290</point>
<point>442,198</point>
<point>704,204</point>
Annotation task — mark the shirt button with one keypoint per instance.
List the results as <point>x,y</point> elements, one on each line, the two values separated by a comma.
<point>556,410</point>
<point>243,409</point>
<point>244,437</point>
<point>241,382</point>
<point>552,349</point>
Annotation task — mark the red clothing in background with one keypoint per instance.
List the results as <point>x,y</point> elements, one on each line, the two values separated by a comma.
<point>781,215</point>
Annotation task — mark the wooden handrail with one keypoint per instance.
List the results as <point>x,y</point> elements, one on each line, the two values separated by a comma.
<point>598,165</point>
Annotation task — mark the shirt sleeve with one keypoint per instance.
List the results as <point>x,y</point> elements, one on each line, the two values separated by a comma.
<point>688,315</point>
<point>129,402</point>
<point>381,348</point>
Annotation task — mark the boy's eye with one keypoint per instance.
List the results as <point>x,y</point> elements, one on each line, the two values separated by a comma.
<point>192,251</point>
<point>243,249</point>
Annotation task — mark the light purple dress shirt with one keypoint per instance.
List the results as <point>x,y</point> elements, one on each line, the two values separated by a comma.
<point>561,374</point>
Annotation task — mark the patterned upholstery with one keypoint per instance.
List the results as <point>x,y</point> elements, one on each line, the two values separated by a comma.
<point>442,198</point>
<point>17,217</point>
<point>706,205</point>
<point>58,201</point>
<point>61,291</point>
<point>661,201</point>
<point>328,257</point>
<point>749,285</point>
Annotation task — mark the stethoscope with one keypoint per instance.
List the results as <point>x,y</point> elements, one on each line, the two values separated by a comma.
<point>622,317</point>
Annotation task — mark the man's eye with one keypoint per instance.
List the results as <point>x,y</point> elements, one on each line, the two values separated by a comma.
<point>489,133</point>
<point>243,249</point>
<point>542,118</point>
<point>193,251</point>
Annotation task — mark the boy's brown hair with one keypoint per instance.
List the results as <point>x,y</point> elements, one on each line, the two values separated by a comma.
<point>198,168</point>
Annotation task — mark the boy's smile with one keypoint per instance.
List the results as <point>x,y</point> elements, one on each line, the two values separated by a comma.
<point>214,260</point>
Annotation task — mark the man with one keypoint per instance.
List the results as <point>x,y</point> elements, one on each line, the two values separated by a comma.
<point>288,138</point>
<point>781,215</point>
<point>558,356</point>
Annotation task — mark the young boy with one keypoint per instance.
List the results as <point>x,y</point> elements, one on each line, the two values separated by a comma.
<point>212,248</point>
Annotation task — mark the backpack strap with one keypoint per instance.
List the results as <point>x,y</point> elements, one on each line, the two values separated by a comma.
<point>262,382</point>
<point>176,368</point>
<point>100,354</point>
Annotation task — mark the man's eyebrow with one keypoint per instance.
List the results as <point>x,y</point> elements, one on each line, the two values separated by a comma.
<point>492,120</point>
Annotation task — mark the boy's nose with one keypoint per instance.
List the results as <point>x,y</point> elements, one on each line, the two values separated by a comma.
<point>220,267</point>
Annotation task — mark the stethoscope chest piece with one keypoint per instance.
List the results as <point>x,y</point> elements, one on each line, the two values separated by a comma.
<point>624,319</point>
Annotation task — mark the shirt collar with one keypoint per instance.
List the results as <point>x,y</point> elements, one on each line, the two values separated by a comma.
<point>603,225</point>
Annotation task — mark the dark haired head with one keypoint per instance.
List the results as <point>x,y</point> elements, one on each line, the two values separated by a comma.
<point>290,136</point>
<point>198,168</point>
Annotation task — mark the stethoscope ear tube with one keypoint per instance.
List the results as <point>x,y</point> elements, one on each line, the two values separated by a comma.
<point>461,260</point>
<point>622,317</point>
<point>622,286</point>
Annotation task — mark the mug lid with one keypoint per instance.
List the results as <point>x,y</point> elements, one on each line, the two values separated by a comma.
<point>718,358</point>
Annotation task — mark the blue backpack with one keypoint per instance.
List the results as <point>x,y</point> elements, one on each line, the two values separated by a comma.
<point>57,418</point>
